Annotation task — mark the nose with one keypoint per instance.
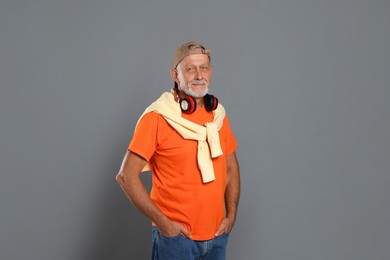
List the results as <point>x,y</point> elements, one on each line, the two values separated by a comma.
<point>198,75</point>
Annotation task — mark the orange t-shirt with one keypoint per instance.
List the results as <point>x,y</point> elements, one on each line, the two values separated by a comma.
<point>177,187</point>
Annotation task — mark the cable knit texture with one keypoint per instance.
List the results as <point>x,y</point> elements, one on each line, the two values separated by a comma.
<point>207,136</point>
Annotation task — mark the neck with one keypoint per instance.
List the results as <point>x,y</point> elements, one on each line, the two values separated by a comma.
<point>199,102</point>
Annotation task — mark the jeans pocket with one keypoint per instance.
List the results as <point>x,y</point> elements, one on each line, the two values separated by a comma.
<point>172,247</point>
<point>224,238</point>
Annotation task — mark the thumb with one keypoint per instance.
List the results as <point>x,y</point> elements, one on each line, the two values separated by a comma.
<point>220,230</point>
<point>185,232</point>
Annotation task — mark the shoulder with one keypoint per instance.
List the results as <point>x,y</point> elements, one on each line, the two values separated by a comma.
<point>151,117</point>
<point>226,120</point>
<point>153,120</point>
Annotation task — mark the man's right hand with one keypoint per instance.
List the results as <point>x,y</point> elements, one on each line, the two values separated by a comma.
<point>172,229</point>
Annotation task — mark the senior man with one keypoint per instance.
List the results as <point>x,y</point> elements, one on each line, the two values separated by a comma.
<point>185,139</point>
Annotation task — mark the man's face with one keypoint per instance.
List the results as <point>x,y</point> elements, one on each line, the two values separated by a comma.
<point>194,75</point>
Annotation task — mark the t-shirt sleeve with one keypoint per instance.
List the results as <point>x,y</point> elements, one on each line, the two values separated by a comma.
<point>231,143</point>
<point>144,141</point>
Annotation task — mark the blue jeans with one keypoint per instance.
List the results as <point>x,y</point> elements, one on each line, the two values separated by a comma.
<point>182,248</point>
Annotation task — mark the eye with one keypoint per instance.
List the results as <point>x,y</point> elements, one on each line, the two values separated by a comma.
<point>191,69</point>
<point>204,68</point>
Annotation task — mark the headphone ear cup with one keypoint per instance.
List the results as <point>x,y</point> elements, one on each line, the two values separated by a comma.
<point>210,102</point>
<point>188,104</point>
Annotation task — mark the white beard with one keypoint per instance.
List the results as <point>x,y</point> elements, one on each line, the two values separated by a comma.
<point>188,90</point>
<point>194,94</point>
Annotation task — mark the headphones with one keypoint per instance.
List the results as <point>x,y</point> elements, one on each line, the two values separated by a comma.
<point>188,103</point>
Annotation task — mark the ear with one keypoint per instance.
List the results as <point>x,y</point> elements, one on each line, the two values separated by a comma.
<point>174,75</point>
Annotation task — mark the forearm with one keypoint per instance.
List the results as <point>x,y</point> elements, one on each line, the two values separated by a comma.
<point>131,183</point>
<point>232,192</point>
<point>139,197</point>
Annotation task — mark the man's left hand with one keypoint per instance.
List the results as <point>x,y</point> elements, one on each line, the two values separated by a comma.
<point>225,227</point>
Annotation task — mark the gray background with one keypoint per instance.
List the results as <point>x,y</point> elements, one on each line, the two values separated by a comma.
<point>306,85</point>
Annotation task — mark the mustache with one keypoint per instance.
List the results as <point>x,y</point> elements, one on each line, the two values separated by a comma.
<point>198,82</point>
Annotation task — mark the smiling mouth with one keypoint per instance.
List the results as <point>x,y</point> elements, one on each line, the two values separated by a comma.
<point>198,84</point>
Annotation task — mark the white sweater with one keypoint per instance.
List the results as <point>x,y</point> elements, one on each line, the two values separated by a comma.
<point>207,136</point>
